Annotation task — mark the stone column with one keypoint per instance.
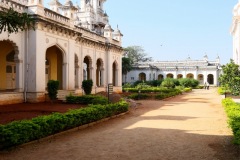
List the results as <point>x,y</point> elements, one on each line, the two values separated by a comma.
<point>19,76</point>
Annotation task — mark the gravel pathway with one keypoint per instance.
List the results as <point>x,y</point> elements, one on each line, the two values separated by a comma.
<point>187,127</point>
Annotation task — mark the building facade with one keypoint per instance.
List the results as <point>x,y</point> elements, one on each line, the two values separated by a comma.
<point>69,44</point>
<point>201,70</point>
<point>235,32</point>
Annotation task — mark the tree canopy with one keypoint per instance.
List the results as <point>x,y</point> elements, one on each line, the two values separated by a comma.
<point>12,21</point>
<point>230,79</point>
<point>136,54</point>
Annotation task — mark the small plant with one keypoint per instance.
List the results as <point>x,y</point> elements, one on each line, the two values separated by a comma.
<point>52,88</point>
<point>87,86</point>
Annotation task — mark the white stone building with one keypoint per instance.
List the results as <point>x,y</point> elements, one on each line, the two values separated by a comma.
<point>70,44</point>
<point>235,32</point>
<point>201,70</point>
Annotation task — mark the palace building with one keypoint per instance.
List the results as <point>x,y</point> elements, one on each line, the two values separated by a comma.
<point>235,32</point>
<point>70,44</point>
<point>201,70</point>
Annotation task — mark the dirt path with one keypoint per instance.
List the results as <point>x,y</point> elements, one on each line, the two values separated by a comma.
<point>188,127</point>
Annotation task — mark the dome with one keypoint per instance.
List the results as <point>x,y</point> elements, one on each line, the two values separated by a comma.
<point>107,26</point>
<point>69,3</point>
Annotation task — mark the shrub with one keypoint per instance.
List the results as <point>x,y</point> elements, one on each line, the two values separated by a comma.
<point>87,86</point>
<point>136,83</point>
<point>137,96</point>
<point>222,90</point>
<point>198,87</point>
<point>168,82</point>
<point>194,83</point>
<point>127,85</point>
<point>233,112</point>
<point>185,82</point>
<point>176,82</point>
<point>52,87</point>
<point>20,132</point>
<point>143,86</point>
<point>86,99</point>
<point>166,95</point>
<point>187,89</point>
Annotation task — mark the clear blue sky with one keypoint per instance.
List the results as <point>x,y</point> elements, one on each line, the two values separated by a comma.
<point>182,27</point>
<point>174,29</point>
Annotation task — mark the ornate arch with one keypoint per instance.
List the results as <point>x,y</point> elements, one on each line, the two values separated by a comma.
<point>60,48</point>
<point>15,48</point>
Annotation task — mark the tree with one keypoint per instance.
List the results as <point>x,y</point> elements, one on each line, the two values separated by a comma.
<point>230,79</point>
<point>126,66</point>
<point>136,54</point>
<point>12,21</point>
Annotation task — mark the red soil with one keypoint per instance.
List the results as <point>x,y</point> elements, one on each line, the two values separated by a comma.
<point>9,113</point>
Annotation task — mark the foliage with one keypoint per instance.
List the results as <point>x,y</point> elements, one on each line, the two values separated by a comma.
<point>142,86</point>
<point>222,90</point>
<point>230,79</point>
<point>126,66</point>
<point>159,96</point>
<point>136,54</point>
<point>154,83</point>
<point>86,99</point>
<point>20,132</point>
<point>87,86</point>
<point>52,87</point>
<point>194,83</point>
<point>137,82</point>
<point>168,82</point>
<point>151,89</point>
<point>138,96</point>
<point>167,95</point>
<point>185,82</point>
<point>127,85</point>
<point>12,21</point>
<point>187,89</point>
<point>233,112</point>
<point>198,87</point>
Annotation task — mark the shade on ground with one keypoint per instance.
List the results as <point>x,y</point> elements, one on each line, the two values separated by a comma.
<point>190,126</point>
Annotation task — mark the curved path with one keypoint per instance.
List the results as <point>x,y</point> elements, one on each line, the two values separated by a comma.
<point>190,126</point>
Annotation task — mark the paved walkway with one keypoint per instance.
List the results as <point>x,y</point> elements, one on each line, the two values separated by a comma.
<point>188,127</point>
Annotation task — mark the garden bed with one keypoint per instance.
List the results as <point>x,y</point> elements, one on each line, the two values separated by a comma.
<point>13,112</point>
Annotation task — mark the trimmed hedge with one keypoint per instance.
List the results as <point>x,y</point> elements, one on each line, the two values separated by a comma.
<point>86,99</point>
<point>20,132</point>
<point>233,112</point>
<point>137,96</point>
<point>151,89</point>
<point>167,95</point>
<point>159,96</point>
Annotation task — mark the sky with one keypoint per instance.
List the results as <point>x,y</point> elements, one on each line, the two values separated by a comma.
<point>175,29</point>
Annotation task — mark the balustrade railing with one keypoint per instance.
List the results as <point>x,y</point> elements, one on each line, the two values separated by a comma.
<point>17,5</point>
<point>56,17</point>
